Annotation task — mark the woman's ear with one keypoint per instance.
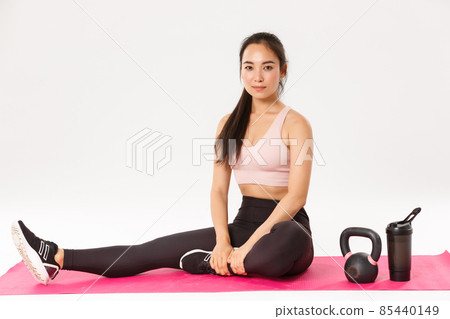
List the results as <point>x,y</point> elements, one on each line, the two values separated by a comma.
<point>283,71</point>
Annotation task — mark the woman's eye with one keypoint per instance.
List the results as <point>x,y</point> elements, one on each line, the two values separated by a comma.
<point>269,67</point>
<point>247,67</point>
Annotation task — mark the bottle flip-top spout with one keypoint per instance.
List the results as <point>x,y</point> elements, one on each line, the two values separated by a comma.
<point>411,216</point>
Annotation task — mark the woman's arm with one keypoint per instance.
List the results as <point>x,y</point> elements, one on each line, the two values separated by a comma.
<point>219,215</point>
<point>219,194</point>
<point>219,212</point>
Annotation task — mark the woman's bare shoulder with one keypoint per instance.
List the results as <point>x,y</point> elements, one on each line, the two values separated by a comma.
<point>226,117</point>
<point>223,120</point>
<point>295,119</point>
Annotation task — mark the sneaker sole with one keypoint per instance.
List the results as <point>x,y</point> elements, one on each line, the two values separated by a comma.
<point>29,255</point>
<point>191,252</point>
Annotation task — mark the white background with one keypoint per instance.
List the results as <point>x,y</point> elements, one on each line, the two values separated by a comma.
<point>78,78</point>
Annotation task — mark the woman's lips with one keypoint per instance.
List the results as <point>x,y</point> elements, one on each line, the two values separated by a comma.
<point>259,88</point>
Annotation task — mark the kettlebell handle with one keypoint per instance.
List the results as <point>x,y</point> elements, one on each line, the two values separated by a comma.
<point>361,232</point>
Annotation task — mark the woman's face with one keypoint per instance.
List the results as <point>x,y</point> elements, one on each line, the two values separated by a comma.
<point>260,68</point>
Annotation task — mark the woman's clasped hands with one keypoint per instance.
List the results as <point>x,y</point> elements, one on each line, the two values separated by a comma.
<point>223,254</point>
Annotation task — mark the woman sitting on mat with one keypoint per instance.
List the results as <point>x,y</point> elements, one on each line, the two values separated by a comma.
<point>270,235</point>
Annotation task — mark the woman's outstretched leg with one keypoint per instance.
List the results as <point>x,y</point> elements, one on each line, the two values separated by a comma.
<point>286,250</point>
<point>162,252</point>
<point>128,260</point>
<point>43,258</point>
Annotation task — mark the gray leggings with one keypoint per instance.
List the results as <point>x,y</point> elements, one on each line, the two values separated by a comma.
<point>286,250</point>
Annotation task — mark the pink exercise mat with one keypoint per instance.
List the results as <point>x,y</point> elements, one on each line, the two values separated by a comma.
<point>428,273</point>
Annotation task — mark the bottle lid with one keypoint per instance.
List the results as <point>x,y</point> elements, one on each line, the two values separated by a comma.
<point>403,227</point>
<point>399,228</point>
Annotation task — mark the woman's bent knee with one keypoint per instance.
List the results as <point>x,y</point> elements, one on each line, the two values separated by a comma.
<point>292,229</point>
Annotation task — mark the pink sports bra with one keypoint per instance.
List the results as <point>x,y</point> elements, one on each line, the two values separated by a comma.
<point>267,162</point>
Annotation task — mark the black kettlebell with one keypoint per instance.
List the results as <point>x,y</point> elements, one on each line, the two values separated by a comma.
<point>360,267</point>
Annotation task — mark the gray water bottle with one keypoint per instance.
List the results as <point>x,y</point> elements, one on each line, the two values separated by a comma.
<point>399,247</point>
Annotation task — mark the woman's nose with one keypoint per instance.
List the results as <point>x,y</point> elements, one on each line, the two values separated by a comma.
<point>258,76</point>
